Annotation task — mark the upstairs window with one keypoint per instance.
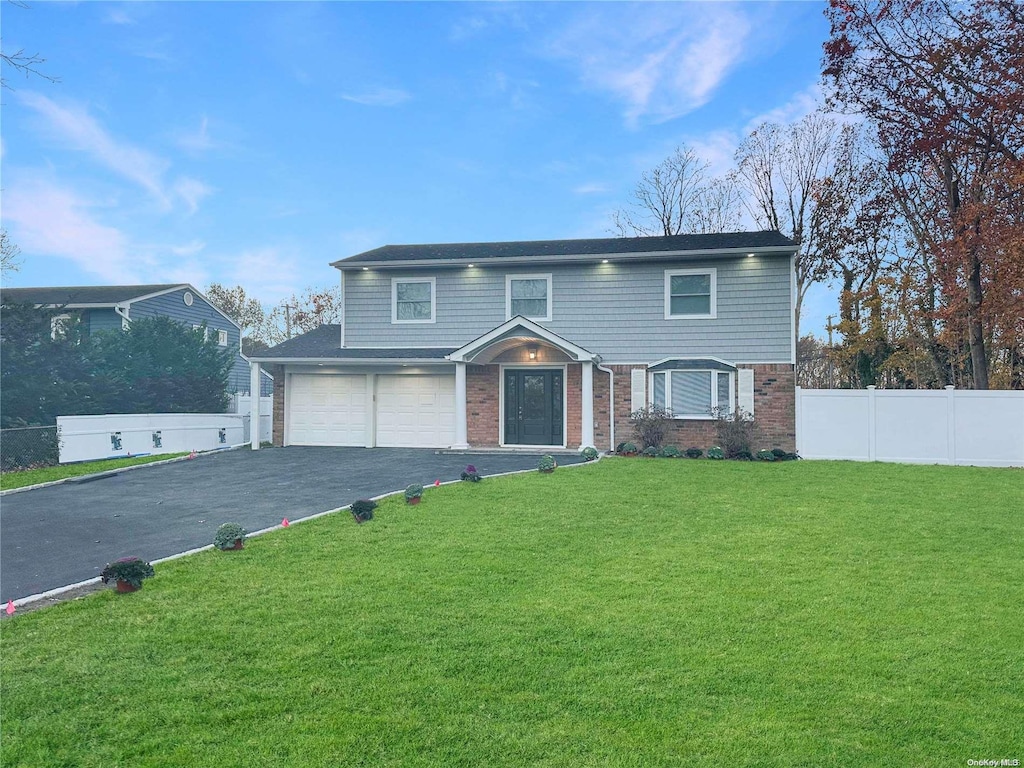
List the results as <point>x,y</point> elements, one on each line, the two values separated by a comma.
<point>529,296</point>
<point>693,394</point>
<point>412,300</point>
<point>690,294</point>
<point>222,338</point>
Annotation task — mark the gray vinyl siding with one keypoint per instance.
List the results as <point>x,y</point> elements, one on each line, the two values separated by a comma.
<point>172,305</point>
<point>103,320</point>
<point>616,310</point>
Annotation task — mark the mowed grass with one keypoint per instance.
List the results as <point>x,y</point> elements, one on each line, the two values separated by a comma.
<point>24,477</point>
<point>633,613</point>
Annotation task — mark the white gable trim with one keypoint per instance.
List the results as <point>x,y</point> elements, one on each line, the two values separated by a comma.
<point>578,353</point>
<point>187,287</point>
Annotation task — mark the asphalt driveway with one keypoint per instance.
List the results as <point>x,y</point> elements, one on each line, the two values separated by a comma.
<point>64,534</point>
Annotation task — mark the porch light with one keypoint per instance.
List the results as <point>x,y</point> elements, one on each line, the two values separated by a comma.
<point>532,351</point>
<point>750,255</point>
<point>604,261</point>
<point>470,266</point>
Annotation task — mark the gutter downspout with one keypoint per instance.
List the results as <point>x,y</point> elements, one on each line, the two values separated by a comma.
<point>611,403</point>
<point>342,308</point>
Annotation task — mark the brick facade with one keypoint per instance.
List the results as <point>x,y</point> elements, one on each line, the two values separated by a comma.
<point>278,426</point>
<point>774,411</point>
<point>482,412</point>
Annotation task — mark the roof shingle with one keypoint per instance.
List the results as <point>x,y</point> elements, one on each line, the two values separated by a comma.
<point>84,294</point>
<point>324,343</point>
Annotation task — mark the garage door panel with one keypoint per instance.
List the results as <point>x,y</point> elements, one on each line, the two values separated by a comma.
<point>327,410</point>
<point>415,411</point>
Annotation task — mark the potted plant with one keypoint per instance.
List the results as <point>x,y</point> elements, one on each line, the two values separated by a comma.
<point>362,510</point>
<point>671,452</point>
<point>628,449</point>
<point>128,573</point>
<point>589,453</point>
<point>766,455</point>
<point>694,453</point>
<point>715,453</point>
<point>470,474</point>
<point>547,464</point>
<point>413,494</point>
<point>230,536</point>
<point>652,452</point>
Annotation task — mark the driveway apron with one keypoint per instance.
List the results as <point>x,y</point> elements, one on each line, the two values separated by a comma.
<point>60,535</point>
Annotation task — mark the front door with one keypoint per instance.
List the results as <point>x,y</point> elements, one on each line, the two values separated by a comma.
<point>533,407</point>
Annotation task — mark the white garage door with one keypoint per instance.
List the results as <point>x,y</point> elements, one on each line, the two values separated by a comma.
<point>327,410</point>
<point>415,411</point>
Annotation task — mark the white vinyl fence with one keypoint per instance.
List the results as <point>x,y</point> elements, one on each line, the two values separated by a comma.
<point>915,426</point>
<point>83,438</point>
<point>241,404</point>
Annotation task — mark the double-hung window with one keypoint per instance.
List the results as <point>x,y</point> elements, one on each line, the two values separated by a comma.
<point>690,293</point>
<point>529,296</point>
<point>222,338</point>
<point>413,300</point>
<point>693,394</point>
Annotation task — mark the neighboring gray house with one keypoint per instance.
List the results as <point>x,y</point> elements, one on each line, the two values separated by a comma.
<point>546,344</point>
<point>114,307</point>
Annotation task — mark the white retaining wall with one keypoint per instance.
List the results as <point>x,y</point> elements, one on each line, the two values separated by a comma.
<point>84,438</point>
<point>916,426</point>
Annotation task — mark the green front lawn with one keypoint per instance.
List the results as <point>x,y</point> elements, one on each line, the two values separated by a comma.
<point>20,479</point>
<point>633,613</point>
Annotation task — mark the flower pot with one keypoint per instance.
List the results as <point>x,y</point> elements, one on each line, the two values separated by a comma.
<point>124,586</point>
<point>413,500</point>
<point>237,545</point>
<point>547,471</point>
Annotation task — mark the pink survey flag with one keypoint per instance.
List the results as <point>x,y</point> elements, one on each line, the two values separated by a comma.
<point>285,523</point>
<point>437,483</point>
<point>10,607</point>
<point>192,455</point>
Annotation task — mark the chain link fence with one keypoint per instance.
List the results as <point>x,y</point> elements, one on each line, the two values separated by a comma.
<point>28,447</point>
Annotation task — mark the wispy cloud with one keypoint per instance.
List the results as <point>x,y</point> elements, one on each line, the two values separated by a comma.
<point>52,220</point>
<point>191,191</point>
<point>198,140</point>
<point>271,273</point>
<point>120,17</point>
<point>379,97</point>
<point>591,188</point>
<point>662,60</point>
<point>78,130</point>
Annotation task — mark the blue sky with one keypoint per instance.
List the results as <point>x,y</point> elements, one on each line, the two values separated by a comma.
<point>253,143</point>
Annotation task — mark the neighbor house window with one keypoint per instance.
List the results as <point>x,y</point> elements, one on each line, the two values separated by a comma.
<point>529,296</point>
<point>693,394</point>
<point>690,293</point>
<point>222,338</point>
<point>203,328</point>
<point>412,300</point>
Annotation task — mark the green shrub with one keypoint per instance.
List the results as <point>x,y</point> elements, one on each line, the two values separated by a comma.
<point>627,449</point>
<point>650,424</point>
<point>652,451</point>
<point>716,453</point>
<point>694,453</point>
<point>362,510</point>
<point>766,455</point>
<point>413,491</point>
<point>470,475</point>
<point>742,455</point>
<point>781,455</point>
<point>547,463</point>
<point>228,534</point>
<point>671,452</point>
<point>128,569</point>
<point>589,453</point>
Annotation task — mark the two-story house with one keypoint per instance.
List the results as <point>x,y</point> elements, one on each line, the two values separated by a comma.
<point>546,344</point>
<point>114,307</point>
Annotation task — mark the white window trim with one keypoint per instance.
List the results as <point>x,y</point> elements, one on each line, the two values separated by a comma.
<point>205,328</point>
<point>394,299</point>
<point>508,294</point>
<point>222,338</point>
<point>669,273</point>
<point>714,391</point>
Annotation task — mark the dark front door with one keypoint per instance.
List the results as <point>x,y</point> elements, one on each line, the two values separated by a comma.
<point>533,407</point>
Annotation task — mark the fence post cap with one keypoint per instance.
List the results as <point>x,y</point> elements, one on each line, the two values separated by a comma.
<point>950,386</point>
<point>871,386</point>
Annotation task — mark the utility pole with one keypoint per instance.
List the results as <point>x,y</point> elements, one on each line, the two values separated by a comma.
<point>288,319</point>
<point>829,327</point>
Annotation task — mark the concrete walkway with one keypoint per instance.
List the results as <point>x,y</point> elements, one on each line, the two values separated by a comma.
<point>64,534</point>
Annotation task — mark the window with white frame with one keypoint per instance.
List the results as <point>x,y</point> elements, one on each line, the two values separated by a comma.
<point>203,328</point>
<point>413,300</point>
<point>222,338</point>
<point>529,296</point>
<point>690,293</point>
<point>693,394</point>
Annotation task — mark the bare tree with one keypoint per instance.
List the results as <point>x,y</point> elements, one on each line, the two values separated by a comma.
<point>678,197</point>
<point>301,314</point>
<point>23,63</point>
<point>780,168</point>
<point>244,310</point>
<point>9,252</point>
